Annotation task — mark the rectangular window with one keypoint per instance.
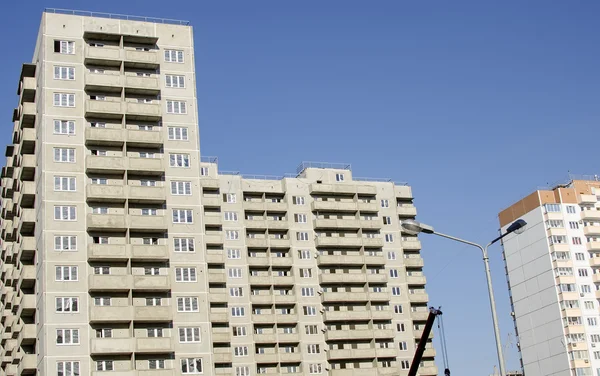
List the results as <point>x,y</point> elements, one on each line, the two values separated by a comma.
<point>65,243</point>
<point>313,349</point>
<point>305,273</point>
<point>67,305</point>
<point>240,351</point>
<point>300,218</point>
<point>315,369</point>
<point>402,346</point>
<point>66,273</point>
<point>573,225</point>
<point>571,209</point>
<point>552,208</point>
<point>298,200</point>
<point>304,254</point>
<point>592,321</point>
<point>99,181</point>
<point>236,292</point>
<point>396,291</point>
<point>183,244</point>
<point>175,81</point>
<point>104,365</point>
<point>187,304</point>
<point>174,56</point>
<point>64,183</point>
<point>234,273</point>
<point>64,47</point>
<point>156,363</point>
<point>308,291</point>
<point>393,273</point>
<point>185,275</point>
<point>302,236</point>
<point>231,216</point>
<point>579,256</point>
<point>239,331</point>
<point>187,335</point>
<point>203,171</point>
<point>232,235</point>
<point>234,254</point>
<point>183,216</point>
<point>385,204</point>
<point>64,100</point>
<point>66,155</point>
<point>242,371</point>
<point>104,333</point>
<point>151,302</point>
<point>102,270</point>
<point>389,238</point>
<point>179,160</point>
<point>309,310</point>
<point>311,329</point>
<point>100,210</point>
<point>178,133</point>
<point>102,301</point>
<point>583,272</point>
<point>176,107</point>
<point>64,127</point>
<point>576,240</point>
<point>238,311</point>
<point>387,220</point>
<point>64,73</point>
<point>67,368</point>
<point>181,188</point>
<point>230,198</point>
<point>67,336</point>
<point>391,255</point>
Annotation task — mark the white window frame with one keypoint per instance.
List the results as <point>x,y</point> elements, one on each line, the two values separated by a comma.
<point>239,331</point>
<point>230,198</point>
<point>65,184</point>
<point>235,272</point>
<point>181,188</point>
<point>238,311</point>
<point>187,304</point>
<point>68,368</point>
<point>65,304</point>
<point>230,216</point>
<point>176,81</point>
<point>64,73</point>
<point>67,337</point>
<point>302,236</point>
<point>64,155</point>
<point>298,200</point>
<point>396,291</point>
<point>178,133</point>
<point>232,234</point>
<point>240,351</point>
<point>309,310</point>
<point>187,274</point>
<point>234,254</point>
<point>174,56</point>
<point>315,368</point>
<point>64,127</point>
<point>67,47</point>
<point>66,273</point>
<point>300,218</point>
<point>64,99</point>
<point>189,334</point>
<point>65,243</point>
<point>184,245</point>
<point>183,216</point>
<point>179,160</point>
<point>176,107</point>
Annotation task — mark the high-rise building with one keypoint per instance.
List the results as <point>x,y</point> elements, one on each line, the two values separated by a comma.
<point>553,271</point>
<point>123,250</point>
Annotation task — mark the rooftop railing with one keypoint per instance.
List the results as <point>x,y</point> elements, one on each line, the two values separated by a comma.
<point>115,16</point>
<point>336,166</point>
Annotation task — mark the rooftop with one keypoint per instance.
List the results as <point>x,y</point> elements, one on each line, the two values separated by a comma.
<point>116,16</point>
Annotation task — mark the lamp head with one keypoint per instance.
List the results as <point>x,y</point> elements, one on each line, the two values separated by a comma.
<point>412,227</point>
<point>518,227</point>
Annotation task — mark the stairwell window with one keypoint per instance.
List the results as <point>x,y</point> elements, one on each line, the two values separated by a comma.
<point>396,291</point>
<point>187,304</point>
<point>402,346</point>
<point>183,244</point>
<point>64,155</point>
<point>64,127</point>
<point>67,336</point>
<point>389,238</point>
<point>64,183</point>
<point>65,243</point>
<point>67,368</point>
<point>398,308</point>
<point>235,273</point>
<point>234,254</point>
<point>315,369</point>
<point>308,291</point>
<point>304,254</point>
<point>183,216</point>
<point>175,81</point>
<point>64,47</point>
<point>65,213</point>
<point>240,351</point>
<point>64,100</point>
<point>391,255</point>
<point>313,349</point>
<point>239,331</point>
<point>238,311</point>
<point>302,236</point>
<point>298,200</point>
<point>385,204</point>
<point>242,371</point>
<point>179,160</point>
<point>176,107</point>
<point>64,73</point>
<point>181,188</point>
<point>232,234</point>
<point>305,273</point>
<point>191,366</point>
<point>174,56</point>
<point>300,218</point>
<point>339,177</point>
<point>236,292</point>
<point>393,273</point>
<point>231,216</point>
<point>309,310</point>
<point>404,364</point>
<point>230,198</point>
<point>67,305</point>
<point>178,133</point>
<point>185,275</point>
<point>188,335</point>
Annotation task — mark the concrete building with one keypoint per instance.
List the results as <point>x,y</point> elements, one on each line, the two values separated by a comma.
<point>123,250</point>
<point>553,271</point>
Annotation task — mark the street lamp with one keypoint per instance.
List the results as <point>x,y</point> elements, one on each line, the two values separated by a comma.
<point>412,227</point>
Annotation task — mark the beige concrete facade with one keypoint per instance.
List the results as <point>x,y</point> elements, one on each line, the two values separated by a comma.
<point>123,250</point>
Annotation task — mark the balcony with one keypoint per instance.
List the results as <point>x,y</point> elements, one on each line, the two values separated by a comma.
<point>219,317</point>
<point>374,224</point>
<point>419,298</point>
<point>340,260</point>
<point>27,89</point>
<point>261,299</point>
<point>104,136</point>
<point>222,357</point>
<point>412,245</point>
<point>591,230</point>
<point>288,337</point>
<point>291,318</point>
<point>151,282</point>
<point>407,211</point>
<point>152,313</point>
<point>419,315</point>
<point>110,282</point>
<point>103,55</point>
<point>153,345</point>
<point>413,262</point>
<point>351,354</point>
<point>345,189</point>
<point>349,335</point>
<point>149,252</point>
<point>151,372</point>
<point>347,315</point>
<point>141,59</point>
<point>214,297</point>
<point>368,207</point>
<point>144,111</point>
<point>104,109</point>
<point>27,112</point>
<point>112,346</point>
<point>148,222</point>
<point>342,278</point>
<point>595,261</point>
<point>323,241</point>
<point>105,193</point>
<point>28,365</point>
<point>221,337</point>
<point>144,138</point>
<point>214,258</point>
<point>334,206</point>
<point>266,318</point>
<point>290,357</point>
<point>593,246</point>
<point>386,353</point>
<point>146,165</point>
<point>209,201</point>
<point>334,297</point>
<point>377,278</point>
<point>103,82</point>
<point>99,164</point>
<point>107,252</point>
<point>592,215</point>
<point>416,280</point>
<point>213,219</point>
<point>379,296</point>
<point>386,314</point>
<point>257,243</point>
<point>142,84</point>
<point>429,353</point>
<point>265,358</point>
<point>218,277</point>
<point>112,314</point>
<point>338,223</point>
<point>139,193</point>
<point>374,260</point>
<point>428,371</point>
<point>106,222</point>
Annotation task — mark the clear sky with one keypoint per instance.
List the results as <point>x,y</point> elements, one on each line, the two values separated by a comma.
<point>475,104</point>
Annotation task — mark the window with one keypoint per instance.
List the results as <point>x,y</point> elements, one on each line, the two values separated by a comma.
<point>66,155</point>
<point>303,254</point>
<point>592,321</point>
<point>238,311</point>
<point>151,270</point>
<point>315,369</point>
<point>203,171</point>
<point>588,304</point>
<point>309,310</point>
<point>65,243</point>
<point>156,363</point>
<point>242,371</point>
<point>313,349</point>
<point>389,238</point>
<point>64,100</point>
<point>102,270</point>
<point>96,124</point>
<point>104,333</point>
<point>393,273</point>
<point>571,209</point>
<point>102,301</point>
<point>402,346</point>
<point>100,239</point>
<point>231,216</point>
<point>552,208</point>
<point>385,204</point>
<point>67,368</point>
<point>230,198</point>
<point>100,181</point>
<point>585,289</point>
<point>189,334</point>
<point>174,56</point>
<point>183,244</point>
<point>396,291</point>
<point>398,308</point>
<point>67,336</point>
<point>144,154</point>
<point>300,218</point>
<point>339,177</point>
<point>311,329</point>
<point>174,81</point>
<point>305,273</point>
<point>187,304</point>
<point>579,256</point>
<point>302,236</point>
<point>64,183</point>
<point>66,273</point>
<point>404,364</point>
<point>64,73</point>
<point>148,183</point>
<point>234,254</point>
<point>176,107</point>
<point>100,210</point>
<point>64,127</point>
<point>387,220</point>
<point>185,275</point>
<point>178,133</point>
<point>576,240</point>
<point>153,302</point>
<point>400,327</point>
<point>64,47</point>
<point>391,255</point>
<point>182,216</point>
<point>234,273</point>
<point>236,292</point>
<point>179,160</point>
<point>239,331</point>
<point>67,305</point>
<point>232,234</point>
<point>240,351</point>
<point>181,188</point>
<point>298,200</point>
<point>308,291</point>
<point>150,241</point>
<point>573,225</point>
<point>582,272</point>
<point>104,365</point>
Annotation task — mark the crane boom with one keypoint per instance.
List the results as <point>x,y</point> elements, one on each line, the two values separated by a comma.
<point>433,313</point>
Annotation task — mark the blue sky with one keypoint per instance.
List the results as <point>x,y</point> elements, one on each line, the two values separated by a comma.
<point>470,102</point>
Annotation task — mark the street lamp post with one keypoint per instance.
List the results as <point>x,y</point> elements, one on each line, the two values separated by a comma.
<point>413,227</point>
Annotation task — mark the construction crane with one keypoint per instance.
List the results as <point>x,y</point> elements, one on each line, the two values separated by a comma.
<point>433,314</point>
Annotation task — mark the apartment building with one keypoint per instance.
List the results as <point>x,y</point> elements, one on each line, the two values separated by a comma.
<point>124,251</point>
<point>553,272</point>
